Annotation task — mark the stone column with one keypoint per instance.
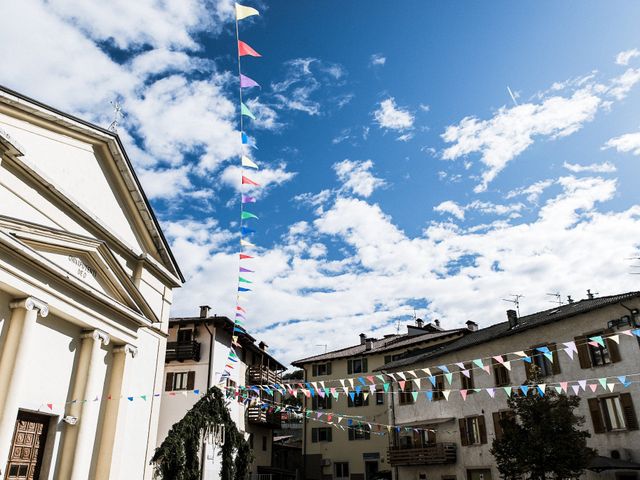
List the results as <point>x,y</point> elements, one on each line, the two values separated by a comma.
<point>78,440</point>
<point>14,366</point>
<point>114,421</point>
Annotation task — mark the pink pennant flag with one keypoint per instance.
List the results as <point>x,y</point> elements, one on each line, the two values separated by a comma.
<point>463,394</point>
<point>50,405</point>
<point>627,332</point>
<point>401,383</point>
<point>499,359</point>
<point>487,369</point>
<point>371,379</point>
<point>563,386</point>
<point>593,386</point>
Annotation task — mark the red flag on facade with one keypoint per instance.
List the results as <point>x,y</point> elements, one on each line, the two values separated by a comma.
<point>244,49</point>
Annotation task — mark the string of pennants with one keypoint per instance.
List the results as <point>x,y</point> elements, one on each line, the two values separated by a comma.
<point>404,378</point>
<point>251,396</point>
<point>247,184</point>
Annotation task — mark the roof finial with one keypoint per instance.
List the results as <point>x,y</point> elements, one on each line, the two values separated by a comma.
<point>117,115</point>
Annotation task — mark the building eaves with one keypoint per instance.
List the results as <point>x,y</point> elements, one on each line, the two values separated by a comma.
<point>503,329</point>
<point>379,346</point>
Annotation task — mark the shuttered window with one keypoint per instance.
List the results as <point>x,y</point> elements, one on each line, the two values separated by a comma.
<point>321,369</point>
<point>180,381</point>
<point>357,365</point>
<point>473,430</point>
<point>498,418</point>
<point>321,403</point>
<point>596,354</point>
<point>547,366</point>
<point>359,432</point>
<point>406,396</point>
<point>613,413</point>
<point>500,374</point>
<point>359,400</point>
<point>321,435</point>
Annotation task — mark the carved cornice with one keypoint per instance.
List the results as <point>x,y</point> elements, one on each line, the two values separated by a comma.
<point>97,335</point>
<point>31,303</point>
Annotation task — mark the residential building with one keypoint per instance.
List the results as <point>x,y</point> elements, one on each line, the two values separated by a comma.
<point>464,429</point>
<point>197,351</point>
<point>86,280</point>
<point>355,454</point>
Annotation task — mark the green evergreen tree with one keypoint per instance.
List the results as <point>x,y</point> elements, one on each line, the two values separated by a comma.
<point>541,438</point>
<point>178,458</point>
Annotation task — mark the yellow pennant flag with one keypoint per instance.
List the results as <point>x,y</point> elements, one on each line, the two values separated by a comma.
<point>244,12</point>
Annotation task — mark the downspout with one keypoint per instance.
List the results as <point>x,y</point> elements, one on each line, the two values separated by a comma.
<point>204,444</point>
<point>393,422</point>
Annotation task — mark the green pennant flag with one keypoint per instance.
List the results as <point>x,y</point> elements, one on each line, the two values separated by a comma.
<point>246,112</point>
<point>386,387</point>
<point>449,377</point>
<point>246,215</point>
<point>244,280</point>
<point>508,390</point>
<point>603,382</point>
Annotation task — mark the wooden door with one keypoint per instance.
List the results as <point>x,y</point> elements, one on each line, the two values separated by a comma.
<point>27,447</point>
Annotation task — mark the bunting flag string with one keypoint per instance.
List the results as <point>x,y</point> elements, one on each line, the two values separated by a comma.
<point>247,184</point>
<point>505,359</point>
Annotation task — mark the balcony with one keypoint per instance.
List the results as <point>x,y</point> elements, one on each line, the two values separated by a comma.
<point>258,416</point>
<point>181,351</point>
<point>262,375</point>
<point>434,454</point>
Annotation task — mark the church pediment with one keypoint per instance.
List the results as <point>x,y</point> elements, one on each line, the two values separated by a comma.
<point>83,259</point>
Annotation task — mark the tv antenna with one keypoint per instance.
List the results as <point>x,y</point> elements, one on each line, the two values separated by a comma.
<point>557,298</point>
<point>322,345</point>
<point>117,115</point>
<point>515,299</point>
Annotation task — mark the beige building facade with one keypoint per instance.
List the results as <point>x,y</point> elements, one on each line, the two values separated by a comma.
<point>197,351</point>
<point>86,280</point>
<point>331,453</point>
<point>464,429</point>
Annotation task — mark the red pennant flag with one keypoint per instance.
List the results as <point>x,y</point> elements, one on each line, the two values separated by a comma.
<point>240,309</point>
<point>244,49</point>
<point>243,256</point>
<point>50,405</point>
<point>248,181</point>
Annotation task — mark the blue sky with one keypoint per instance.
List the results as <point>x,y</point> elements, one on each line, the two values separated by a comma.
<point>399,173</point>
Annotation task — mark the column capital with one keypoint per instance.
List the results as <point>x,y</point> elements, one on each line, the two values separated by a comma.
<point>31,303</point>
<point>98,335</point>
<point>127,348</point>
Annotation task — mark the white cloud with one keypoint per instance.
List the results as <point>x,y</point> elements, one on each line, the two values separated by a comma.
<point>512,130</point>
<point>356,177</point>
<point>165,183</point>
<point>378,60</point>
<point>629,142</point>
<point>266,177</point>
<point>390,116</point>
<point>605,167</point>
<point>266,117</point>
<point>532,191</point>
<point>620,86</point>
<point>624,57</point>
<point>450,207</point>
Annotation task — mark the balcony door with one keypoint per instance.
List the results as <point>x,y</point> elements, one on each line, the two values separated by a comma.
<point>27,447</point>
<point>370,469</point>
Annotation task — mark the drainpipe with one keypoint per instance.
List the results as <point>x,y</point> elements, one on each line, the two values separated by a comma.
<point>393,422</point>
<point>204,444</point>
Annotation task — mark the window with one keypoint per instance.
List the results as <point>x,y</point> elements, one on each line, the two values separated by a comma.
<point>321,369</point>
<point>467,380</point>
<point>406,396</point>
<point>379,396</point>
<point>539,358</point>
<point>438,387</point>
<point>358,400</point>
<point>413,439</point>
<point>342,470</point>
<point>357,365</point>
<point>180,381</point>
<point>472,430</point>
<point>321,434</point>
<point>264,443</point>
<point>613,412</point>
<point>185,335</point>
<point>501,374</point>
<point>321,403</point>
<point>391,358</point>
<point>359,432</point>
<point>596,354</point>
<point>499,417</point>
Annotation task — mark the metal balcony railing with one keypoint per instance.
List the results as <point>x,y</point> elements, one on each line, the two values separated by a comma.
<point>180,351</point>
<point>434,454</point>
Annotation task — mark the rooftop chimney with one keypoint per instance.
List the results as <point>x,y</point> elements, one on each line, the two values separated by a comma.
<point>569,299</point>
<point>368,343</point>
<point>512,316</point>
<point>472,326</point>
<point>363,339</point>
<point>437,322</point>
<point>204,311</point>
<point>419,322</point>
<point>263,346</point>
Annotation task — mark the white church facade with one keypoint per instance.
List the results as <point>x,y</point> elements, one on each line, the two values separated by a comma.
<point>86,280</point>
